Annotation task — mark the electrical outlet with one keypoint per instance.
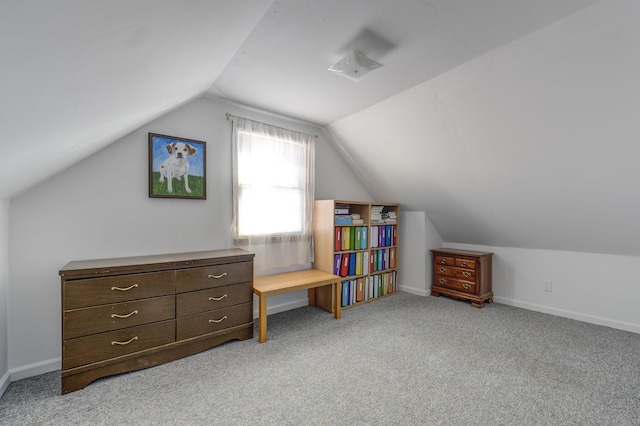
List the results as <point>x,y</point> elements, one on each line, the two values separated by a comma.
<point>548,285</point>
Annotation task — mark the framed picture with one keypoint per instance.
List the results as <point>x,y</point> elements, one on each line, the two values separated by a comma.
<point>177,167</point>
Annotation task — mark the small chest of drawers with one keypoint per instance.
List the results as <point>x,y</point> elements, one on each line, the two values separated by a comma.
<point>125,314</point>
<point>463,274</point>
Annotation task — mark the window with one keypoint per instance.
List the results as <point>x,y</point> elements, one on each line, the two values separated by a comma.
<point>273,187</point>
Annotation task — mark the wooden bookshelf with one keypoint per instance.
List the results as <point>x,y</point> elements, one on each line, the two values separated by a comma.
<point>377,257</point>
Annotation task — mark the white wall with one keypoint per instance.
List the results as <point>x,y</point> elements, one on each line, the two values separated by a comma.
<point>417,237</point>
<point>100,208</point>
<point>4,317</point>
<point>596,288</point>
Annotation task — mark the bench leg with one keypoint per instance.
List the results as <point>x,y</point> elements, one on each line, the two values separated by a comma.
<point>337,294</point>
<point>262,319</point>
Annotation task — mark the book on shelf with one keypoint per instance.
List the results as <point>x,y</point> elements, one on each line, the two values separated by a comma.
<point>338,238</point>
<point>352,263</point>
<point>360,290</point>
<point>343,220</point>
<point>344,265</point>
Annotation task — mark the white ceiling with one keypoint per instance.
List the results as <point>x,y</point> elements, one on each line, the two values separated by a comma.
<point>509,122</point>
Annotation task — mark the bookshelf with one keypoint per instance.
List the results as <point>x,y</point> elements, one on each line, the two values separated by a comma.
<point>359,242</point>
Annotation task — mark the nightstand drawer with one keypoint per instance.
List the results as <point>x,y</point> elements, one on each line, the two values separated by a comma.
<point>465,286</point>
<point>98,319</point>
<point>466,263</point>
<point>442,260</point>
<point>213,276</point>
<point>102,291</point>
<point>98,347</point>
<point>213,298</point>
<point>212,321</point>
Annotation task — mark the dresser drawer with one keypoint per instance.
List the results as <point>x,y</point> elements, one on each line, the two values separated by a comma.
<point>465,286</point>
<point>213,276</point>
<point>98,347</point>
<point>213,298</point>
<point>463,274</point>
<point>212,321</point>
<point>102,291</point>
<point>98,319</point>
<point>466,263</point>
<point>443,260</point>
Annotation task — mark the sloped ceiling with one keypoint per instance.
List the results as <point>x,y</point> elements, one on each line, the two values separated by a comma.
<point>511,123</point>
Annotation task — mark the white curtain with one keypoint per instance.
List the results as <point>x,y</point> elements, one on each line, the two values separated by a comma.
<point>273,192</point>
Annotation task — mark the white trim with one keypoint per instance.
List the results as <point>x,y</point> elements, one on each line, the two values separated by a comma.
<point>416,291</point>
<point>35,369</point>
<point>274,309</point>
<point>591,319</point>
<point>4,383</point>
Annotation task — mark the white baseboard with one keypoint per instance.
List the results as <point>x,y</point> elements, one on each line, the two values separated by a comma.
<point>416,291</point>
<point>4,383</point>
<point>30,370</point>
<point>591,319</point>
<point>281,307</point>
<point>36,369</point>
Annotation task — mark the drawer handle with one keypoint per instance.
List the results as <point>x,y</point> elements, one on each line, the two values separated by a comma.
<point>466,274</point>
<point>217,276</point>
<point>443,269</point>
<point>124,316</point>
<point>442,281</point>
<point>220,320</point>
<point>124,289</point>
<point>463,264</point>
<point>443,261</point>
<point>124,343</point>
<point>466,286</point>
<point>218,298</point>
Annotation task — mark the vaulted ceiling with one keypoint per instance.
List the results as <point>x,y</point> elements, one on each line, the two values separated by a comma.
<point>511,123</point>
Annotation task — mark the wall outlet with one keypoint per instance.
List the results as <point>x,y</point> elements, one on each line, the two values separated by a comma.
<point>548,285</point>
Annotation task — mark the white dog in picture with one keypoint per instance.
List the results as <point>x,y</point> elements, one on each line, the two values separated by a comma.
<point>177,165</point>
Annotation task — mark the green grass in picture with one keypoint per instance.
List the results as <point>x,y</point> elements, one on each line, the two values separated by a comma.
<point>196,183</point>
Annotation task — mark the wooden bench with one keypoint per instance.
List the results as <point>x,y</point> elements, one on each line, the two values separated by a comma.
<point>269,285</point>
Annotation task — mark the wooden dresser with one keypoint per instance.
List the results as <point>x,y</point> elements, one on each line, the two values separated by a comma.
<point>463,274</point>
<point>127,314</point>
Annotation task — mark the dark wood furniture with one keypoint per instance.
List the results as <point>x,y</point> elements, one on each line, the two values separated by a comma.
<point>463,274</point>
<point>126,314</point>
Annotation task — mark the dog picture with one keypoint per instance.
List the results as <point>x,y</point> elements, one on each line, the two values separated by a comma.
<point>177,165</point>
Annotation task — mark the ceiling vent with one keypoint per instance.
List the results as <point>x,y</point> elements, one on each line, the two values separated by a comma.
<point>354,66</point>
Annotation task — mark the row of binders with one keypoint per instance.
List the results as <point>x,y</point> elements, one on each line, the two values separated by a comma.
<point>363,262</point>
<point>355,237</point>
<point>350,238</point>
<point>365,288</point>
<point>384,235</point>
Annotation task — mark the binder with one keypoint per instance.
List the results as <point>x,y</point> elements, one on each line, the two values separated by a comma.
<point>345,294</point>
<point>395,235</point>
<point>338,242</point>
<point>344,265</point>
<point>358,263</point>
<point>358,238</point>
<point>336,264</point>
<point>392,257</point>
<point>374,236</point>
<point>360,290</point>
<point>387,238</point>
<point>352,239</point>
<point>364,238</point>
<point>352,263</point>
<point>346,231</point>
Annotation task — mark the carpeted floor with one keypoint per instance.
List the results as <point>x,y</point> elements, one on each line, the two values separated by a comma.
<point>403,360</point>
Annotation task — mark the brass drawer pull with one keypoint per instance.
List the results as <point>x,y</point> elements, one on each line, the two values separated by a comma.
<point>463,264</point>
<point>124,289</point>
<point>443,269</point>
<point>124,316</point>
<point>442,281</point>
<point>466,274</point>
<point>124,343</point>
<point>218,298</point>
<point>443,261</point>
<point>466,286</point>
<point>217,276</point>
<point>220,320</point>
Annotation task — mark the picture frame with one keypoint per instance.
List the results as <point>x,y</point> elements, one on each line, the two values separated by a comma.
<point>177,167</point>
